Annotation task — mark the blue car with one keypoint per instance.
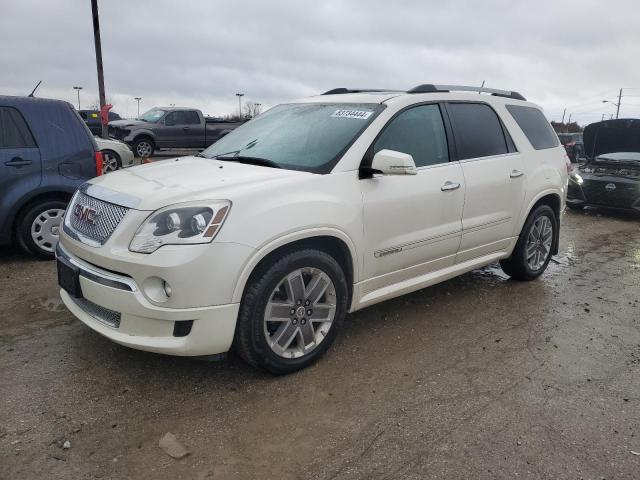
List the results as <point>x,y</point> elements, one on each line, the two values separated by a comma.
<point>46,153</point>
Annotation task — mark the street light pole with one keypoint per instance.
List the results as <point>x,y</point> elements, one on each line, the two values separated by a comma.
<point>77,89</point>
<point>240,95</point>
<point>137,99</point>
<point>619,102</point>
<point>98,46</point>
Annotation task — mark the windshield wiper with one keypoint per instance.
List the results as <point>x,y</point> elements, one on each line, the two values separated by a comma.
<point>263,162</point>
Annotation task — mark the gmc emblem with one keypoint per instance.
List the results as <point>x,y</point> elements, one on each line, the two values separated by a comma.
<point>86,214</point>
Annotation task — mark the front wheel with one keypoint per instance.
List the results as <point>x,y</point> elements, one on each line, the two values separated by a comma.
<point>143,147</point>
<point>532,253</point>
<point>291,312</point>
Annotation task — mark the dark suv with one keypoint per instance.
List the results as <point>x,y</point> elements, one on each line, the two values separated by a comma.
<point>46,152</point>
<point>92,119</point>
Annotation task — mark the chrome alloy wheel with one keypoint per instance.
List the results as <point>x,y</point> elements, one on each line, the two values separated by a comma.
<point>143,149</point>
<point>109,163</point>
<point>539,243</point>
<point>45,229</point>
<point>300,312</point>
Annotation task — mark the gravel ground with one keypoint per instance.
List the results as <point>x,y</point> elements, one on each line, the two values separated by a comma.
<point>478,377</point>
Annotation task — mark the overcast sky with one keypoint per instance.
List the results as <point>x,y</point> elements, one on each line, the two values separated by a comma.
<point>200,53</point>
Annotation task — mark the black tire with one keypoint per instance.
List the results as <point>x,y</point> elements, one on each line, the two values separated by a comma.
<point>575,207</point>
<point>25,221</point>
<point>517,266</point>
<point>138,146</point>
<point>250,339</point>
<point>115,156</point>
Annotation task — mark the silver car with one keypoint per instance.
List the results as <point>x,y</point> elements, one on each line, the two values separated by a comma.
<point>115,154</point>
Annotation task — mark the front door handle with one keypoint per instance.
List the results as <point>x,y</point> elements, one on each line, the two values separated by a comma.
<point>516,173</point>
<point>185,128</point>
<point>448,185</point>
<point>17,162</point>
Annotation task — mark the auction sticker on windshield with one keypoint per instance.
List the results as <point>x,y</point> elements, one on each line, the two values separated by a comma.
<point>360,114</point>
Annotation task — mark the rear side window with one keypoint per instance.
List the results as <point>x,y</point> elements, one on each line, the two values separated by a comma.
<point>191,118</point>
<point>535,126</point>
<point>478,130</point>
<point>418,131</point>
<point>14,132</point>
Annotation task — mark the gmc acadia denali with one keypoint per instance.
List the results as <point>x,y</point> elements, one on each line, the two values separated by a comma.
<point>316,208</point>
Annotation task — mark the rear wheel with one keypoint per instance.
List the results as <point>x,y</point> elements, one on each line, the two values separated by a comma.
<point>110,161</point>
<point>38,227</point>
<point>291,313</point>
<point>532,253</point>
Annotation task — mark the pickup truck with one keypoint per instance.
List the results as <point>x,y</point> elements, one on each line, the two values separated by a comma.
<point>170,127</point>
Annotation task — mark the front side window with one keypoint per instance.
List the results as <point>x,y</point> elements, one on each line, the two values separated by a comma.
<point>535,126</point>
<point>477,130</point>
<point>419,132</point>
<point>14,132</point>
<point>301,136</point>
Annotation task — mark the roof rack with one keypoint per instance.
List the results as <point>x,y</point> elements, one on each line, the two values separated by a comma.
<point>342,90</point>
<point>430,88</point>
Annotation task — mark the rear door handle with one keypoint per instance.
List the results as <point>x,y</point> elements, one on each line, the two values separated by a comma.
<point>185,128</point>
<point>449,186</point>
<point>17,162</point>
<point>516,173</point>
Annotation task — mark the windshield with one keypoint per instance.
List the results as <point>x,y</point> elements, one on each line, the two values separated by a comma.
<point>152,115</point>
<point>300,136</point>
<point>620,157</point>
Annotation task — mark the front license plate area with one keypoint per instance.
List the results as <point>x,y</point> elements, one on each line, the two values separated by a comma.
<point>69,277</point>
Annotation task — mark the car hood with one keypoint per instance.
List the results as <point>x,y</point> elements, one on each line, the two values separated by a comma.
<point>611,136</point>
<point>108,142</point>
<point>158,184</point>
<point>126,123</point>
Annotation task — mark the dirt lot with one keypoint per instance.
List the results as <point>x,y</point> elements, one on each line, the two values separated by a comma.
<point>479,377</point>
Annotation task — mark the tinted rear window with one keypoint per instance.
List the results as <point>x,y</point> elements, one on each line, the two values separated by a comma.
<point>478,131</point>
<point>14,132</point>
<point>535,126</point>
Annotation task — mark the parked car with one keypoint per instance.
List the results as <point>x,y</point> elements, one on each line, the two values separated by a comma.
<point>170,127</point>
<point>46,153</point>
<point>92,119</point>
<point>115,154</point>
<point>574,145</point>
<point>611,175</point>
<point>316,208</point>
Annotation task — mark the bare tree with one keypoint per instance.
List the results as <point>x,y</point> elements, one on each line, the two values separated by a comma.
<point>252,109</point>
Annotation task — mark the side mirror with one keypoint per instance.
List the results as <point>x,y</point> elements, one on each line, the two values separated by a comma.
<point>390,162</point>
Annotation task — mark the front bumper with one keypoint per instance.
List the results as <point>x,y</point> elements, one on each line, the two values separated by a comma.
<point>605,191</point>
<point>114,306</point>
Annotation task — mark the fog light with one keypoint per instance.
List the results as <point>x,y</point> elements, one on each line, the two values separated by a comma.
<point>167,288</point>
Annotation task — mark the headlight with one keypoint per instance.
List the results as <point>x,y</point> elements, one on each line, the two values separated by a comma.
<point>576,178</point>
<point>187,223</point>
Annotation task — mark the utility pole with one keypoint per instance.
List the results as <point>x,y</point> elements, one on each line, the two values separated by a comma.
<point>77,89</point>
<point>137,99</point>
<point>602,119</point>
<point>240,95</point>
<point>619,101</point>
<point>563,114</point>
<point>96,39</point>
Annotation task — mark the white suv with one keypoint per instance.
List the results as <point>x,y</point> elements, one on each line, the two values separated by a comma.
<point>316,208</point>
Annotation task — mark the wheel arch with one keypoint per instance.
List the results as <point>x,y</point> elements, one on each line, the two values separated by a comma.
<point>552,199</point>
<point>333,242</point>
<point>40,197</point>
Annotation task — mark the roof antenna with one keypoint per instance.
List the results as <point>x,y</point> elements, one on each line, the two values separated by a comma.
<point>34,89</point>
<point>481,87</point>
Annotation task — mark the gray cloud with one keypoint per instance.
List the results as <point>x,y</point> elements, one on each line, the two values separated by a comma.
<point>200,53</point>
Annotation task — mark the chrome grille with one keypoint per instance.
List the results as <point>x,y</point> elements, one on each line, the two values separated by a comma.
<point>102,314</point>
<point>96,226</point>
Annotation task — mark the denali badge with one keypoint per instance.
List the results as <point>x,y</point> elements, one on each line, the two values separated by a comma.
<point>86,214</point>
<point>610,187</point>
